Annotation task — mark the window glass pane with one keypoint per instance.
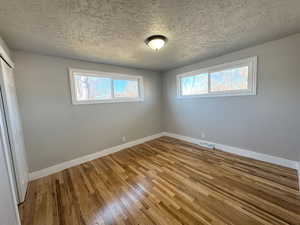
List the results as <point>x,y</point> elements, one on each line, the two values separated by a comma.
<point>92,88</point>
<point>126,88</point>
<point>194,85</point>
<point>229,80</point>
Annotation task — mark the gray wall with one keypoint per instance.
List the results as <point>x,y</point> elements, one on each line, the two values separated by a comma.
<point>57,131</point>
<point>267,123</point>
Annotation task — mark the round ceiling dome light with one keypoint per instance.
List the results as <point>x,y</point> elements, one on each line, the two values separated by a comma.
<point>156,42</point>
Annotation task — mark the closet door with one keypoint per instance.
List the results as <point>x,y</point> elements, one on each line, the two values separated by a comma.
<point>15,132</point>
<point>8,205</point>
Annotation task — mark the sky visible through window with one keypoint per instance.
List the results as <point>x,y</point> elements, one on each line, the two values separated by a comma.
<point>232,79</point>
<point>194,85</point>
<point>126,88</point>
<point>226,80</point>
<point>100,88</point>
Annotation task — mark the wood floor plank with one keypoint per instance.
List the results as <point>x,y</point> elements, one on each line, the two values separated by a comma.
<point>166,182</point>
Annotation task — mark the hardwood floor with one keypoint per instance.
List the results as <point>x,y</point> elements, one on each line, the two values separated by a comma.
<point>167,182</point>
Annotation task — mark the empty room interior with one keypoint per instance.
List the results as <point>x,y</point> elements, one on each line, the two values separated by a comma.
<point>150,112</point>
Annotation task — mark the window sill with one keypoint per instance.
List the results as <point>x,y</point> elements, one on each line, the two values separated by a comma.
<point>107,101</point>
<point>217,95</point>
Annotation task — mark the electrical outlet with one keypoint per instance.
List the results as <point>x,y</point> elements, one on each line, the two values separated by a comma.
<point>123,138</point>
<point>202,135</point>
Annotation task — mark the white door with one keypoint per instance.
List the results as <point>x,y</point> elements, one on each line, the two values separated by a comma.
<point>9,214</point>
<point>15,132</point>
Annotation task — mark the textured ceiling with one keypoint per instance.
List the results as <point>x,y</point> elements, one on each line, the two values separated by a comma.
<point>113,31</point>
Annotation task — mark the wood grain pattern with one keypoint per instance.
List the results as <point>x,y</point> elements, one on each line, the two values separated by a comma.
<point>165,182</point>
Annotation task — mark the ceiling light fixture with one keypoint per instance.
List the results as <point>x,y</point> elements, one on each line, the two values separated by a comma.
<point>156,42</point>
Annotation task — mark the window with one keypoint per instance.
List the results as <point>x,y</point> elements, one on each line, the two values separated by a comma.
<point>236,78</point>
<point>88,87</point>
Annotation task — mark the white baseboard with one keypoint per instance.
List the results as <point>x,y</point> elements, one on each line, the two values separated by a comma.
<point>238,151</point>
<point>299,175</point>
<point>59,167</point>
<point>241,152</point>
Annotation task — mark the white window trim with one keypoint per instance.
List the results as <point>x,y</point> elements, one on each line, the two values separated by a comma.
<point>108,75</point>
<point>252,79</point>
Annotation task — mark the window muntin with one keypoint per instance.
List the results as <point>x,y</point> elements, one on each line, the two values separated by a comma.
<point>88,87</point>
<point>236,78</point>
